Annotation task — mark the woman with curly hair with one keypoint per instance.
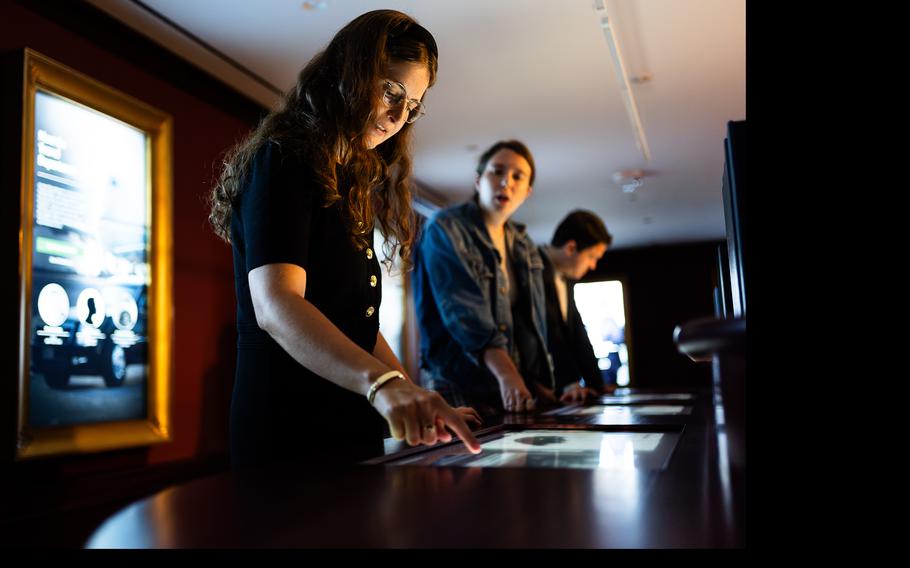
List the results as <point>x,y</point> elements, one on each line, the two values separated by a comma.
<point>298,200</point>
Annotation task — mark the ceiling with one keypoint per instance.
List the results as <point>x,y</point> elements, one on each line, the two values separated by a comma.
<point>537,70</point>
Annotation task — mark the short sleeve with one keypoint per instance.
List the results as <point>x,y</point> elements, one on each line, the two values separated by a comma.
<point>276,209</point>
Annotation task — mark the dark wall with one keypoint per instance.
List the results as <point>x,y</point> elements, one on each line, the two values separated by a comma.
<point>208,118</point>
<point>664,287</point>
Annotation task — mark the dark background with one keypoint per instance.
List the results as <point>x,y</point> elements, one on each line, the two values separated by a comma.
<point>664,286</point>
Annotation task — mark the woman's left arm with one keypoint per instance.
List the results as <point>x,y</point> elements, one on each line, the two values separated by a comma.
<point>384,353</point>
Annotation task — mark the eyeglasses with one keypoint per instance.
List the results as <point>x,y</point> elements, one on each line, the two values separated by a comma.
<point>395,95</point>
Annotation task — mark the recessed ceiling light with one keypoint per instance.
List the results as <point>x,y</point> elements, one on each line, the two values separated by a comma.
<point>631,186</point>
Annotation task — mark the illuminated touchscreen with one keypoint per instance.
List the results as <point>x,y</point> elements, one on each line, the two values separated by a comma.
<point>627,411</point>
<point>576,449</point>
<point>644,397</point>
<point>90,266</point>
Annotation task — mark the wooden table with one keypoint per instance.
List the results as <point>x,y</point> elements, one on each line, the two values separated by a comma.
<point>689,504</point>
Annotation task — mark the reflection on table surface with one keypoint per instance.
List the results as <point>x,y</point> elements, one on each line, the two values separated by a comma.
<point>405,507</point>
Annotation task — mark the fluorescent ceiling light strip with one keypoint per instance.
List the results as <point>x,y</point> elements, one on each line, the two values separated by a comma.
<point>627,95</point>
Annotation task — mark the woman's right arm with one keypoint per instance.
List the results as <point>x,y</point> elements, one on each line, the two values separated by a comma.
<point>515,395</point>
<point>278,294</point>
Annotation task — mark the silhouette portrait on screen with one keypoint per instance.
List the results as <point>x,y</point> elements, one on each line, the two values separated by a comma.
<point>91,310</point>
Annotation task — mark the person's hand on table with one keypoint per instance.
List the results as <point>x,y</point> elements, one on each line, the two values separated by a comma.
<point>419,416</point>
<point>575,393</point>
<point>545,396</point>
<point>515,395</point>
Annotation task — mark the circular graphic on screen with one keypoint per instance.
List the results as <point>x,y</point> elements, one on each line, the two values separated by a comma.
<point>90,307</point>
<point>123,309</point>
<point>53,304</point>
<point>541,440</point>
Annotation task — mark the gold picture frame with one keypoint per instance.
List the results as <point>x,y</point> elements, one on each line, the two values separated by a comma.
<point>66,246</point>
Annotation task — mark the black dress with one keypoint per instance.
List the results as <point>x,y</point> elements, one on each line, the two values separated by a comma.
<point>281,411</point>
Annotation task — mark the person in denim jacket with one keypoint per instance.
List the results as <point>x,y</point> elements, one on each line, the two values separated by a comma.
<point>480,295</point>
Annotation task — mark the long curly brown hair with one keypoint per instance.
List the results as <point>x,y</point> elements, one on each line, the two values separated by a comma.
<point>323,120</point>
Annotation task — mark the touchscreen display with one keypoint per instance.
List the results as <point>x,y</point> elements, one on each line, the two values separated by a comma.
<point>557,448</point>
<point>625,411</point>
<point>644,397</point>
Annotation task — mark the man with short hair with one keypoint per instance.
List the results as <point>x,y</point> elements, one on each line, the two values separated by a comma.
<point>580,241</point>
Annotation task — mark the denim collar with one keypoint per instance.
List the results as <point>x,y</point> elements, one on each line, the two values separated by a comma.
<point>473,212</point>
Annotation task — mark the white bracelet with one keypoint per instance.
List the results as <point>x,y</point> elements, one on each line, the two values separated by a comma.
<point>383,379</point>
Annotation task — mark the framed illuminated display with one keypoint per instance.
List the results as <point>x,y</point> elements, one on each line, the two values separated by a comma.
<point>94,266</point>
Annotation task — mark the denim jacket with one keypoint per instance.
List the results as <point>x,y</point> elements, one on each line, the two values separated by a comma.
<point>462,304</point>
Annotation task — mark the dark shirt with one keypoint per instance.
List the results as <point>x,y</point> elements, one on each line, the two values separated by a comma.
<point>573,356</point>
<point>280,410</point>
<point>464,308</point>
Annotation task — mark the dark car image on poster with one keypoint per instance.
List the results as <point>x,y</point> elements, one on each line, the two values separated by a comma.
<point>89,344</point>
<point>104,350</point>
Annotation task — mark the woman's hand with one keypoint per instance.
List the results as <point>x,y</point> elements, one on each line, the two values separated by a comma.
<point>419,416</point>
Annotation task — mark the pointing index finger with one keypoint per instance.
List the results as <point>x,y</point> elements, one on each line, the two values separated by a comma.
<point>461,429</point>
